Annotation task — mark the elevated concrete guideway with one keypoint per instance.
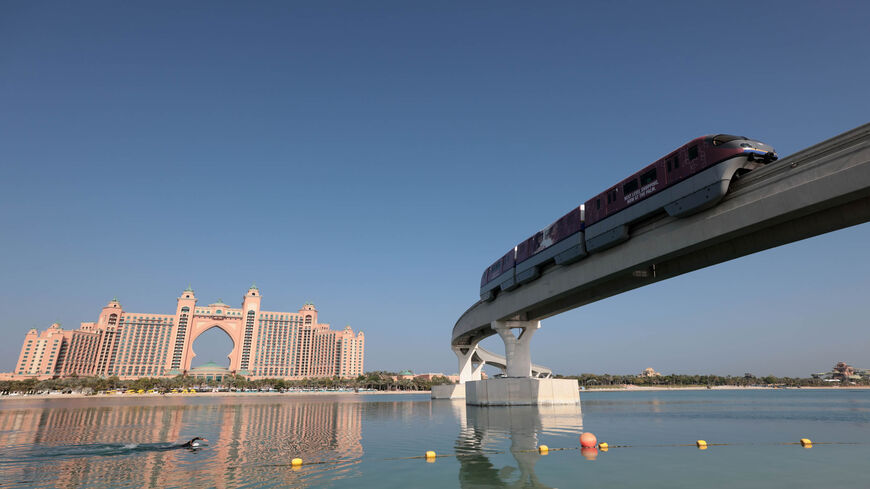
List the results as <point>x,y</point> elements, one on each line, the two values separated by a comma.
<point>823,188</point>
<point>487,357</point>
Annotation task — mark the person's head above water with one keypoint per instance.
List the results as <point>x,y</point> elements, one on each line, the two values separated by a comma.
<point>196,442</point>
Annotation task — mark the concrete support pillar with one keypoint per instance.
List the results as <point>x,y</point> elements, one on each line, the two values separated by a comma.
<point>517,354</point>
<point>467,370</point>
<point>477,371</point>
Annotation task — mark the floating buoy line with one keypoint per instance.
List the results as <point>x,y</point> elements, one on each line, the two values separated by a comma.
<point>589,447</point>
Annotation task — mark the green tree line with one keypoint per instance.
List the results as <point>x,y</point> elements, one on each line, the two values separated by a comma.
<point>607,380</point>
<point>380,380</point>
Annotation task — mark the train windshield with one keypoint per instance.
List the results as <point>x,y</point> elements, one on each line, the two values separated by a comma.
<point>725,138</point>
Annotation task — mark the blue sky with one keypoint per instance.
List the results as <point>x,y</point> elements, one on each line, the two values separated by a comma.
<point>373,157</point>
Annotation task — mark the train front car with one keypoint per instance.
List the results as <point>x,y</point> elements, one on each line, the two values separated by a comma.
<point>691,178</point>
<point>723,146</point>
<point>713,161</point>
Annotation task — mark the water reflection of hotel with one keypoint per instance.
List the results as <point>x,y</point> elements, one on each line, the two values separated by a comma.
<point>245,438</point>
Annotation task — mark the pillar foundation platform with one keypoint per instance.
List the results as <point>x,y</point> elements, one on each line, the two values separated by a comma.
<point>448,391</point>
<point>521,391</point>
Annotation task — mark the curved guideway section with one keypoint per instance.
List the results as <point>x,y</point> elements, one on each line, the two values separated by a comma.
<point>823,188</point>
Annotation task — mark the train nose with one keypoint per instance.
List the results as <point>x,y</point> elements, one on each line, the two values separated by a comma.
<point>770,156</point>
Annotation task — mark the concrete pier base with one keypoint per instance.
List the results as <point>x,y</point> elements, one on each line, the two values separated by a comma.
<point>521,391</point>
<point>448,391</point>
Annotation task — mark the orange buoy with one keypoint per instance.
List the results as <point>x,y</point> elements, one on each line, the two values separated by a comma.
<point>588,440</point>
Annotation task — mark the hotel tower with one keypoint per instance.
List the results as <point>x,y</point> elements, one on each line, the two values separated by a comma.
<point>288,345</point>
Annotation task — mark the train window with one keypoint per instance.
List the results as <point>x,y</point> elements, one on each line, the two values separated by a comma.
<point>693,152</point>
<point>669,166</point>
<point>724,138</point>
<point>597,204</point>
<point>648,178</point>
<point>629,186</point>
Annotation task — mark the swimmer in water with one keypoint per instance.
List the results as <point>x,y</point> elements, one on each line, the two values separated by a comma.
<point>110,449</point>
<point>195,443</point>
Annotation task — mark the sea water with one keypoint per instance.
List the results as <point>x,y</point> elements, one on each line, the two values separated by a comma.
<point>379,441</point>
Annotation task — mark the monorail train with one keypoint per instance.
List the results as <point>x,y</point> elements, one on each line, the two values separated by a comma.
<point>689,179</point>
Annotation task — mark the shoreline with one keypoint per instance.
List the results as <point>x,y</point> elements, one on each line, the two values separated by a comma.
<point>178,395</point>
<point>636,388</point>
<point>38,397</point>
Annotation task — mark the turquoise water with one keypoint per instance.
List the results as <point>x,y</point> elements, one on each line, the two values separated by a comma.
<point>367,440</point>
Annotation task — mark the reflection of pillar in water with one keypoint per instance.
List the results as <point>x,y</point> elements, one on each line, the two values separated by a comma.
<point>458,408</point>
<point>487,428</point>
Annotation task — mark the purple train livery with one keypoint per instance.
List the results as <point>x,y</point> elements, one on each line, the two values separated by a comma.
<point>689,179</point>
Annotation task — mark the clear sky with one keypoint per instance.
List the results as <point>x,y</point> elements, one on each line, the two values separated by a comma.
<point>374,157</point>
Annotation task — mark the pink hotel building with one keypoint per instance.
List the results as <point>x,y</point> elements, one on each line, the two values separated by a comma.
<point>288,345</point>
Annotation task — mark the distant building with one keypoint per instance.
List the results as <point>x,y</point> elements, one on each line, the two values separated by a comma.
<point>649,372</point>
<point>843,372</point>
<point>429,376</point>
<point>404,375</point>
<point>210,371</point>
<point>288,345</point>
<point>410,375</point>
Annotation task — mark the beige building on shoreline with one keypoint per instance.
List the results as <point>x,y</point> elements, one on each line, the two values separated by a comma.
<point>266,344</point>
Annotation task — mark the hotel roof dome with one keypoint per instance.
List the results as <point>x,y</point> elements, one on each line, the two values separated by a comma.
<point>210,367</point>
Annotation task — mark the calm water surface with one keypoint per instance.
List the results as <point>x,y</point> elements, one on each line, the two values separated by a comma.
<point>366,441</point>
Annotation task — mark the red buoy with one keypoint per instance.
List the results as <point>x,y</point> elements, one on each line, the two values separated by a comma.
<point>588,440</point>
